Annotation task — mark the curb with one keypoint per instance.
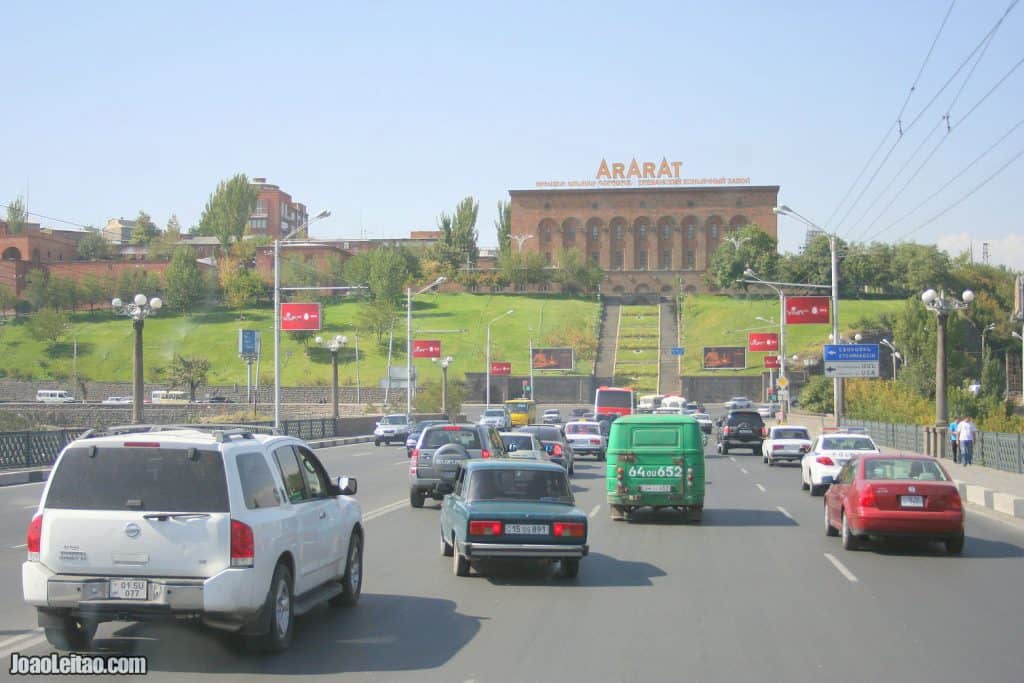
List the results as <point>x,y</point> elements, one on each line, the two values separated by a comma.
<point>997,501</point>
<point>342,441</point>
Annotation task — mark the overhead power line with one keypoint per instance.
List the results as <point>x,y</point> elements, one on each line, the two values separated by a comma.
<point>50,218</point>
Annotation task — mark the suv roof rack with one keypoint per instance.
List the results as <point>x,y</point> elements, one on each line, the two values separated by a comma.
<point>220,432</point>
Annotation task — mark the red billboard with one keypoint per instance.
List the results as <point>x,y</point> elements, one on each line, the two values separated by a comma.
<point>725,358</point>
<point>803,310</point>
<point>763,341</point>
<point>501,368</point>
<point>771,361</point>
<point>300,317</point>
<point>553,359</point>
<point>426,348</point>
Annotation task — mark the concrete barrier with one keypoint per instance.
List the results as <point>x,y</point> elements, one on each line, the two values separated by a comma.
<point>1008,504</point>
<point>979,495</point>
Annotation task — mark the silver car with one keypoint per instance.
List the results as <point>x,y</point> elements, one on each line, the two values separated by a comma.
<point>439,452</point>
<point>497,418</point>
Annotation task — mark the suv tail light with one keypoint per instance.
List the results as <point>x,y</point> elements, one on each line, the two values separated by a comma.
<point>243,548</point>
<point>824,460</point>
<point>764,432</point>
<point>619,472</point>
<point>867,498</point>
<point>485,453</point>
<point>34,537</point>
<point>413,460</point>
<point>484,528</point>
<point>576,529</point>
<point>725,431</point>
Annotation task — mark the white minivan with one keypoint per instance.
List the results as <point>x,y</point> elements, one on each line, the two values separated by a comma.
<point>54,396</point>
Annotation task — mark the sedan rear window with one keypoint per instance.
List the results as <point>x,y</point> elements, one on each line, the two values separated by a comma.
<point>394,420</point>
<point>522,442</point>
<point>583,429</point>
<point>848,443</point>
<point>149,479</point>
<point>441,436</point>
<point>903,468</point>
<point>511,484</point>
<point>790,434</point>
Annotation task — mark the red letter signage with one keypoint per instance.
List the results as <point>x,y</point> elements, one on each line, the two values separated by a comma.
<point>426,348</point>
<point>501,368</point>
<point>763,341</point>
<point>300,317</point>
<point>802,310</point>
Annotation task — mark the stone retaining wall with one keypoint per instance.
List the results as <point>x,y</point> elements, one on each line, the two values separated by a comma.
<point>12,391</point>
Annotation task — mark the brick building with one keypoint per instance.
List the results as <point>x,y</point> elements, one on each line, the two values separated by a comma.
<point>33,247</point>
<point>646,239</point>
<point>275,213</point>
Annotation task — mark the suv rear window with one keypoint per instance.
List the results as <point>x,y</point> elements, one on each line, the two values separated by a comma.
<point>741,418</point>
<point>440,436</point>
<point>150,479</point>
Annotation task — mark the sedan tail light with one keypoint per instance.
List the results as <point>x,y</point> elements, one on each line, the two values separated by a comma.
<point>485,453</point>
<point>485,528</point>
<point>954,501</point>
<point>34,537</point>
<point>764,432</point>
<point>243,547</point>
<point>574,529</point>
<point>777,447</point>
<point>867,498</point>
<point>824,460</point>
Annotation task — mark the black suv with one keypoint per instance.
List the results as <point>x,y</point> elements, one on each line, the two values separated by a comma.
<point>741,429</point>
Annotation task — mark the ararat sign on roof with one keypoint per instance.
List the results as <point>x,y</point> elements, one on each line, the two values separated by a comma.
<point>636,174</point>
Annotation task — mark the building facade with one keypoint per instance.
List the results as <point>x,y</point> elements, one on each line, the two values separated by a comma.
<point>275,213</point>
<point>646,239</point>
<point>118,231</point>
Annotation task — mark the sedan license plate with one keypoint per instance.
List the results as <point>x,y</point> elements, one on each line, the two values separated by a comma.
<point>656,488</point>
<point>912,501</point>
<point>124,589</point>
<point>527,529</point>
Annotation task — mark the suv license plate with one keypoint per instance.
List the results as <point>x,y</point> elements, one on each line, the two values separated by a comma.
<point>912,501</point>
<point>122,589</point>
<point>527,529</point>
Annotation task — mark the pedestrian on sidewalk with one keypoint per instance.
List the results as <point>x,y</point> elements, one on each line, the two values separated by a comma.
<point>952,438</point>
<point>965,435</point>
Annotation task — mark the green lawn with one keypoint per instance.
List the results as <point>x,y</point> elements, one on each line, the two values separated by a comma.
<point>458,320</point>
<point>636,360</point>
<point>715,320</point>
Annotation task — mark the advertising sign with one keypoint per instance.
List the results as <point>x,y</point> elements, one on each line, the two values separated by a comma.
<point>300,317</point>
<point>553,359</point>
<point>771,361</point>
<point>248,343</point>
<point>501,368</point>
<point>725,358</point>
<point>806,310</point>
<point>763,341</point>
<point>426,348</point>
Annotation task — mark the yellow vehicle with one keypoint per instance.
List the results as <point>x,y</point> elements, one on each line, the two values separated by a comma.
<point>523,411</point>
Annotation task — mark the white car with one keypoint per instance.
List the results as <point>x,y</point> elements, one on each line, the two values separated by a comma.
<point>586,437</point>
<point>391,428</point>
<point>785,443</point>
<point>239,531</point>
<point>523,446</point>
<point>829,452</point>
<point>738,402</point>
<point>497,418</point>
<point>116,400</point>
<point>766,411</point>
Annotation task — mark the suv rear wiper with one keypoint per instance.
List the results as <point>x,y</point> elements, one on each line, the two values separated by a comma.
<point>164,516</point>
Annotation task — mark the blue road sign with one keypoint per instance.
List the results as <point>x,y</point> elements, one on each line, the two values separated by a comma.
<point>851,352</point>
<point>248,342</point>
<point>677,350</point>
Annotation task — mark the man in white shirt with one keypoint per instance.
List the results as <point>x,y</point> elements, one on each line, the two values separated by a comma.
<point>965,436</point>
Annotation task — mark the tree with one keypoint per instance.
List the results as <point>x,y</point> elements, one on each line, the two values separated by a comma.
<point>389,271</point>
<point>748,247</point>
<point>16,216</point>
<point>377,318</point>
<point>228,210</point>
<point>186,372</point>
<point>577,274</point>
<point>94,246</point>
<point>49,325</point>
<point>242,288</point>
<point>163,246</point>
<point>95,289</point>
<point>816,396</point>
<point>138,281</point>
<point>145,229</point>
<point>185,285</point>
<point>457,246</point>
<point>7,299</point>
<point>173,225</point>
<point>37,288</point>
<point>523,268</point>
<point>503,226</point>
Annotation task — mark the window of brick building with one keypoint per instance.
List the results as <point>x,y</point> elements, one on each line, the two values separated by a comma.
<point>595,256</point>
<point>595,232</point>
<point>570,233</point>
<point>666,259</point>
<point>617,260</point>
<point>618,232</point>
<point>665,230</point>
<point>691,232</point>
<point>691,259</point>
<point>641,260</point>
<point>547,257</point>
<point>642,232</point>
<point>714,231</point>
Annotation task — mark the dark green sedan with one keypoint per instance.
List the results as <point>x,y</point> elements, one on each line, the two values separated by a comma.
<point>512,509</point>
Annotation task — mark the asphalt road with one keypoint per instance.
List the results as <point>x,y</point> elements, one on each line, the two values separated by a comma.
<point>754,593</point>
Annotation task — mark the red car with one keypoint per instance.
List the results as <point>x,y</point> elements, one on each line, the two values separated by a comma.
<point>894,496</point>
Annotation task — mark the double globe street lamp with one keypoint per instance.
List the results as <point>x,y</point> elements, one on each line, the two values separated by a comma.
<point>138,309</point>
<point>334,344</point>
<point>941,305</point>
<point>444,363</point>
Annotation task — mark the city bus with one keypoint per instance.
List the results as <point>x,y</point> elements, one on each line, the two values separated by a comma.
<point>614,401</point>
<point>522,411</point>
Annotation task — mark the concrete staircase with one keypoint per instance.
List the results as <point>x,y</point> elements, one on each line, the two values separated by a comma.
<point>668,365</point>
<point>604,366</point>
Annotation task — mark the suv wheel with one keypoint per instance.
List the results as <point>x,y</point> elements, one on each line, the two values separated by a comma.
<point>352,581</point>
<point>280,608</point>
<point>416,498</point>
<point>376,442</point>
<point>73,634</point>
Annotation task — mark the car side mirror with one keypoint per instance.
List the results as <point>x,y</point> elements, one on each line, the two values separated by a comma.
<point>347,486</point>
<point>828,480</point>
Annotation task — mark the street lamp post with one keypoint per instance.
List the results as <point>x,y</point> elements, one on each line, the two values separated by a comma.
<point>138,310</point>
<point>409,294</point>
<point>938,303</point>
<point>503,315</point>
<point>333,345</point>
<point>894,354</point>
<point>277,307</point>
<point>444,363</point>
<point>750,274</point>
<point>988,328</point>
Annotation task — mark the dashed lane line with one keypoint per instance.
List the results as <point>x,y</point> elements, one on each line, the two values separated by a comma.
<point>19,547</point>
<point>785,512</point>
<point>841,567</point>
<point>744,470</point>
<point>732,458</point>
<point>390,507</point>
<point>593,513</point>
<point>763,489</point>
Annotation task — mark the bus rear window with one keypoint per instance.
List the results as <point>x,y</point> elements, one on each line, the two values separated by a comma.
<point>615,399</point>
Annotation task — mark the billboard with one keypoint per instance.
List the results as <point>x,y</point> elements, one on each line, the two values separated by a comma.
<point>501,368</point>
<point>805,310</point>
<point>763,341</point>
<point>771,361</point>
<point>725,358</point>
<point>553,359</point>
<point>300,317</point>
<point>426,348</point>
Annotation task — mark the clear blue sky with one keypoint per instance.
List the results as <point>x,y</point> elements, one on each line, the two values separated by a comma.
<point>389,113</point>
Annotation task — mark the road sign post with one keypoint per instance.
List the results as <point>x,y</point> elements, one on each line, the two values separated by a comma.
<point>851,360</point>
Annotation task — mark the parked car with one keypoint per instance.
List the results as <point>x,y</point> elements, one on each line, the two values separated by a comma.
<point>894,497</point>
<point>497,418</point>
<point>416,430</point>
<point>741,429</point>
<point>828,454</point>
<point>587,437</point>
<point>512,509</point>
<point>440,451</point>
<point>788,443</point>
<point>240,530</point>
<point>523,446</point>
<point>738,402</point>
<point>552,416</point>
<point>557,446</point>
<point>391,428</point>
<point>116,400</point>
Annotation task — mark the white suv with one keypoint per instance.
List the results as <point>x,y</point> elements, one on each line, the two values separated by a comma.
<point>240,531</point>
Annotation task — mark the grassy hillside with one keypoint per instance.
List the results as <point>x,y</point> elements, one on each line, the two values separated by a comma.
<point>636,357</point>
<point>710,320</point>
<point>458,320</point>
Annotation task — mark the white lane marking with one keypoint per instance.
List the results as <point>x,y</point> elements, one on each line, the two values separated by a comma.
<point>763,489</point>
<point>744,470</point>
<point>783,511</point>
<point>34,634</point>
<point>841,567</point>
<point>732,458</point>
<point>30,507</point>
<point>390,507</point>
<point>15,486</point>
<point>593,513</point>
<point>402,463</point>
<point>19,547</point>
